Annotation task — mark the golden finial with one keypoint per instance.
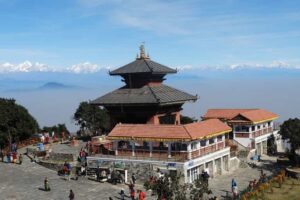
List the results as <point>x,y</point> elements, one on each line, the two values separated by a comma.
<point>142,52</point>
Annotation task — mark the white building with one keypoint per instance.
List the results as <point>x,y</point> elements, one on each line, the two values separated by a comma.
<point>188,149</point>
<point>251,128</point>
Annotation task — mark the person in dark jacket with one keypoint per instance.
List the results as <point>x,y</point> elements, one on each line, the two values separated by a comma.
<point>71,195</point>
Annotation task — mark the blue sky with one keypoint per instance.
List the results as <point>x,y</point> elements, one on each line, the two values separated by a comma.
<point>106,33</point>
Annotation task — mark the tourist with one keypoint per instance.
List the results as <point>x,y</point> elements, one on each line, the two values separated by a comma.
<point>14,157</point>
<point>122,194</point>
<point>142,195</point>
<point>235,192</point>
<point>8,157</point>
<point>71,195</point>
<point>2,156</point>
<point>233,184</point>
<point>133,178</point>
<point>46,185</point>
<point>98,174</point>
<point>132,194</point>
<point>20,159</point>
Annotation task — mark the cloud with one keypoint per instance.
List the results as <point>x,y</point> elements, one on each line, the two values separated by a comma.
<point>162,17</point>
<point>85,67</point>
<point>26,66</point>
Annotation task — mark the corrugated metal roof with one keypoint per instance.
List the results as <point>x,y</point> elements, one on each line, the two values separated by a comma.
<point>143,66</point>
<point>148,94</point>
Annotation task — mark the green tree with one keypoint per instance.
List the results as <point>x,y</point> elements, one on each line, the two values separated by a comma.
<point>199,190</point>
<point>57,129</point>
<point>92,118</point>
<point>15,122</point>
<point>186,119</point>
<point>171,187</point>
<point>290,130</point>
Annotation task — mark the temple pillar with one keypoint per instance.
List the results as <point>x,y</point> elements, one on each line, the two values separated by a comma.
<point>151,148</point>
<point>222,165</point>
<point>169,150</point>
<point>133,148</point>
<point>189,149</point>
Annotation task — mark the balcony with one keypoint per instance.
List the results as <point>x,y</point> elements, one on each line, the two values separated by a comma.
<point>262,132</point>
<point>207,150</point>
<point>160,155</point>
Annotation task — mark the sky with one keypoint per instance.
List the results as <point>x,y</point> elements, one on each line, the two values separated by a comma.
<point>252,48</point>
<point>86,35</point>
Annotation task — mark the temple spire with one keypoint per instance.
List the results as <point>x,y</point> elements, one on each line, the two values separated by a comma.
<point>142,52</point>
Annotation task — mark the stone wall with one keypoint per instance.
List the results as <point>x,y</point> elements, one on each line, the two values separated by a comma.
<point>61,157</point>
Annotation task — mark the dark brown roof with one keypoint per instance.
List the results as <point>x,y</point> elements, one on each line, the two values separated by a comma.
<point>193,131</point>
<point>148,94</point>
<point>143,66</point>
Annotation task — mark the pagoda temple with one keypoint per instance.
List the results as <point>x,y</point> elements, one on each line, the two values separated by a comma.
<point>144,99</point>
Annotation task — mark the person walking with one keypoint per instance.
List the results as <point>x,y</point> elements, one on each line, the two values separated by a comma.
<point>46,185</point>
<point>122,194</point>
<point>133,178</point>
<point>71,195</point>
<point>2,155</point>
<point>233,184</point>
<point>132,194</point>
<point>20,159</point>
<point>142,195</point>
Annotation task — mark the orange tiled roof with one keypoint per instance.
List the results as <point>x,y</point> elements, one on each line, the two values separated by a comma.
<point>153,132</point>
<point>252,115</point>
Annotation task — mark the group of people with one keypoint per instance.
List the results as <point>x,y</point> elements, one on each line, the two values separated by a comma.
<point>12,156</point>
<point>131,187</point>
<point>254,183</point>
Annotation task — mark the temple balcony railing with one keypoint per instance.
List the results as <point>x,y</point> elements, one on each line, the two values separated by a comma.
<point>161,154</point>
<point>262,132</point>
<point>208,149</point>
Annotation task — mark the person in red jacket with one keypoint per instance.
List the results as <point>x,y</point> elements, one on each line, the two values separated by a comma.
<point>142,195</point>
<point>132,194</point>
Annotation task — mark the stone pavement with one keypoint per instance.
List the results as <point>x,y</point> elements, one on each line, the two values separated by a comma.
<point>221,185</point>
<point>22,182</point>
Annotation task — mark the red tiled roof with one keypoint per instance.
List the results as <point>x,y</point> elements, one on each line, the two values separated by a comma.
<point>154,132</point>
<point>252,115</point>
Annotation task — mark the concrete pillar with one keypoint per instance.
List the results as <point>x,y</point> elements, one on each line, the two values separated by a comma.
<point>185,175</point>
<point>115,147</point>
<point>222,166</point>
<point>151,148</point>
<point>261,148</point>
<point>133,148</point>
<point>190,181</point>
<point>189,149</point>
<point>169,150</point>
<point>213,168</point>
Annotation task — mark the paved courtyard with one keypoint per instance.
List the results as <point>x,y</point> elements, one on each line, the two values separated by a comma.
<point>221,185</point>
<point>23,182</point>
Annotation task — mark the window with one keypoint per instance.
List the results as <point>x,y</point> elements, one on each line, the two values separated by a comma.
<point>203,143</point>
<point>219,138</point>
<point>211,140</point>
<point>237,128</point>
<point>253,128</point>
<point>194,145</point>
<point>269,124</point>
<point>258,127</point>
